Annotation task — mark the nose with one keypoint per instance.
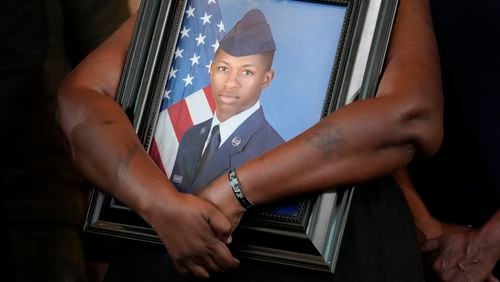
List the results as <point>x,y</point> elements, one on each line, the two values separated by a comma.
<point>232,80</point>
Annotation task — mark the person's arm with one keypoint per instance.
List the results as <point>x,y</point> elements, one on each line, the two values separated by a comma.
<point>456,253</point>
<point>428,227</point>
<point>105,148</point>
<point>470,255</point>
<point>363,140</point>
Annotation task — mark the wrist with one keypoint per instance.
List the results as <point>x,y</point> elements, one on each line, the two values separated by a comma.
<point>158,201</point>
<point>219,193</point>
<point>429,227</point>
<point>237,190</point>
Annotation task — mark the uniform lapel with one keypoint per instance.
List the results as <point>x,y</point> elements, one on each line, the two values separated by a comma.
<point>193,151</point>
<point>221,161</point>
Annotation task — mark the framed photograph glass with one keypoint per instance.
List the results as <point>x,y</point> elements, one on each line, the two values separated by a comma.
<point>184,78</point>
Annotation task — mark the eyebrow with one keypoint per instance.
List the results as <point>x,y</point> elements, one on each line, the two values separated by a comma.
<point>245,66</point>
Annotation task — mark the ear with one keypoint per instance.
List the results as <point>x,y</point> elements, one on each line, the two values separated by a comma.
<point>211,71</point>
<point>268,77</point>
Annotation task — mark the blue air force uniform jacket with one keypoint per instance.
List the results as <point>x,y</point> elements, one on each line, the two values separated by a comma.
<point>252,138</point>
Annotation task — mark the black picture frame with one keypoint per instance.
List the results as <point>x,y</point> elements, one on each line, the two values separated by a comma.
<point>311,234</point>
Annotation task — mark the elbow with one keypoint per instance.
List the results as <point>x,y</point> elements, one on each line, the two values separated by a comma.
<point>415,114</point>
<point>432,140</point>
<point>415,98</point>
<point>73,100</point>
<point>427,137</point>
<point>64,105</point>
<point>65,116</point>
<point>423,124</point>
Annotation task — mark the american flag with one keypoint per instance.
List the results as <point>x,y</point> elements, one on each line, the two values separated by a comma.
<point>187,98</point>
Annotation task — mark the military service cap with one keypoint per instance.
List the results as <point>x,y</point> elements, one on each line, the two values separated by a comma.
<point>251,35</point>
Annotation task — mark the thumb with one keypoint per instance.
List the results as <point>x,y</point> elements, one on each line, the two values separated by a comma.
<point>220,225</point>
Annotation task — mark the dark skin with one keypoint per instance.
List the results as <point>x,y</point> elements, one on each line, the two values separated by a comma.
<point>469,255</point>
<point>387,132</point>
<point>237,82</point>
<point>455,253</point>
<point>105,148</point>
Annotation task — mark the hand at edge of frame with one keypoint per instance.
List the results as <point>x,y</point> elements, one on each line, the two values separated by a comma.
<point>466,255</point>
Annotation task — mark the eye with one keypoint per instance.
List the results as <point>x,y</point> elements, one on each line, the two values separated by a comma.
<point>247,72</point>
<point>222,68</point>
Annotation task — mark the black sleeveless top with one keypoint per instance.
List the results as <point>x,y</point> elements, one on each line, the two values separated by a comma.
<point>378,245</point>
<point>461,184</point>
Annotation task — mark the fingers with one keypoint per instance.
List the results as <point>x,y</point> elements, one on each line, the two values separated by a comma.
<point>492,278</point>
<point>203,267</point>
<point>220,259</point>
<point>209,254</point>
<point>211,257</point>
<point>457,271</point>
<point>220,225</point>
<point>444,271</point>
<point>199,272</point>
<point>198,246</point>
<point>223,258</point>
<point>190,268</point>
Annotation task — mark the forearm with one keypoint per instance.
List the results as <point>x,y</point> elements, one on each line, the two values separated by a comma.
<point>350,146</point>
<point>101,141</point>
<point>366,139</point>
<point>427,226</point>
<point>104,147</point>
<point>421,215</point>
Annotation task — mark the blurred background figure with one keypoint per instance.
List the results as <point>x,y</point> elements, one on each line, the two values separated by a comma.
<point>43,198</point>
<point>23,46</point>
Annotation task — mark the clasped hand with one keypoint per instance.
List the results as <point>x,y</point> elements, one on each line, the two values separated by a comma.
<point>195,234</point>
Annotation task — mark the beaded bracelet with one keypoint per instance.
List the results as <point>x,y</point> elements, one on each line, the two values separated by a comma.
<point>235,185</point>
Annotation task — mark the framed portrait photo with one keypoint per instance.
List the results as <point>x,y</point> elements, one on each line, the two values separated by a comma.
<point>211,84</point>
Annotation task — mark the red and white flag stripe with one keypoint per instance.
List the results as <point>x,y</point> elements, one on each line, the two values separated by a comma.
<point>173,123</point>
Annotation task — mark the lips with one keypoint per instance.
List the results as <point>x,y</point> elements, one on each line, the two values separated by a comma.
<point>228,99</point>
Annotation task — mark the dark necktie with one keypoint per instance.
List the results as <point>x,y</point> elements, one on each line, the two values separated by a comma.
<point>210,150</point>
